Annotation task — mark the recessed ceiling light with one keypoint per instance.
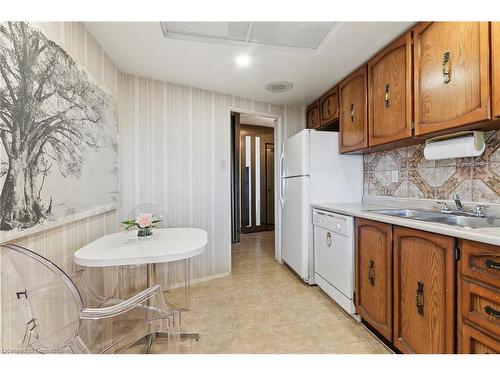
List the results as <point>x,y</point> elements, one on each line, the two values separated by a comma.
<point>242,60</point>
<point>279,87</point>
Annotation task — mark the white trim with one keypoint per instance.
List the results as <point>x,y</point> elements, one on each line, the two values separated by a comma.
<point>47,224</point>
<point>278,140</point>
<point>203,279</point>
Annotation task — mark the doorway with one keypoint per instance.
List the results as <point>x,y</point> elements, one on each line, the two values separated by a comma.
<point>252,174</point>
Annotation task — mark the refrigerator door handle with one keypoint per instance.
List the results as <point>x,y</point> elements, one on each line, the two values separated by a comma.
<point>282,180</point>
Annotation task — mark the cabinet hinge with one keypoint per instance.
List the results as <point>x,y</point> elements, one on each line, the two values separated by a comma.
<point>457,253</point>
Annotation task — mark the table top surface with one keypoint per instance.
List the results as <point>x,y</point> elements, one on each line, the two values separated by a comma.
<point>125,248</point>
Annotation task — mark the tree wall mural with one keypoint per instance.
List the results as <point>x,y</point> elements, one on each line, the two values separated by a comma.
<point>58,131</point>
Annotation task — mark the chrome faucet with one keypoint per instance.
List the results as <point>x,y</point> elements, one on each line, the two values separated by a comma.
<point>458,202</point>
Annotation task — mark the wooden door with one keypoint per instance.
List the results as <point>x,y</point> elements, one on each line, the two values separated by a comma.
<point>389,93</point>
<point>373,253</point>
<point>253,140</point>
<point>312,115</point>
<point>329,106</point>
<point>495,68</point>
<point>353,112</point>
<point>451,75</point>
<point>424,292</point>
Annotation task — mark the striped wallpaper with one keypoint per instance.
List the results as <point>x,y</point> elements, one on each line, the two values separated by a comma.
<point>59,243</point>
<point>174,147</point>
<point>175,153</point>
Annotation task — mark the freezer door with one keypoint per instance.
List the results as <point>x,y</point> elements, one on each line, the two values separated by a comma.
<point>296,155</point>
<point>295,225</point>
<point>334,177</point>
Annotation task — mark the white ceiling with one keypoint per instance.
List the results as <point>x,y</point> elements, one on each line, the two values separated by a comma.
<point>140,48</point>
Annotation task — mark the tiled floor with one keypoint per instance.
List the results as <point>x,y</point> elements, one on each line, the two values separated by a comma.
<point>264,308</point>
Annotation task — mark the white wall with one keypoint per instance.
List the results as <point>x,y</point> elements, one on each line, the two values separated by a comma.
<point>175,152</point>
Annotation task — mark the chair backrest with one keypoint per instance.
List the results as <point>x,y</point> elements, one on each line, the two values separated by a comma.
<point>47,300</point>
<point>150,208</point>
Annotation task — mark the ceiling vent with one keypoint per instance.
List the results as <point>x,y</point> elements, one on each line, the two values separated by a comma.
<point>295,35</point>
<point>279,87</point>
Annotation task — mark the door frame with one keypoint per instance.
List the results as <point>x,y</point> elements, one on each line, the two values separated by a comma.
<point>278,141</point>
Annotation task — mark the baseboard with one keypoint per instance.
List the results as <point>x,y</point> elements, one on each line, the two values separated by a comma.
<point>203,279</point>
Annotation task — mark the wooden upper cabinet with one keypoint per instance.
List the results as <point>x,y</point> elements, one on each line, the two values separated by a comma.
<point>353,115</point>
<point>390,93</point>
<point>373,252</point>
<point>451,75</point>
<point>495,68</point>
<point>329,106</point>
<point>424,292</point>
<point>312,115</point>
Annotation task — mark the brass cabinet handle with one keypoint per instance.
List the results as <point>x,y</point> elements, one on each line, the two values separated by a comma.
<point>489,263</point>
<point>352,112</point>
<point>491,311</point>
<point>371,272</point>
<point>446,67</point>
<point>387,96</point>
<point>329,239</point>
<point>420,298</point>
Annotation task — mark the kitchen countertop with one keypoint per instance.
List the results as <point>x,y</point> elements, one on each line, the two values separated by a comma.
<point>485,235</point>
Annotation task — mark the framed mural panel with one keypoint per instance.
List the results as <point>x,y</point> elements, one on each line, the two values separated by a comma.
<point>59,136</point>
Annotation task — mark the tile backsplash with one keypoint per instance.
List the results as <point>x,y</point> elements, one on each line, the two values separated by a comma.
<point>405,173</point>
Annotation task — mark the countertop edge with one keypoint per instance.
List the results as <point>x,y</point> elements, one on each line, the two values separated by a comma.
<point>357,210</point>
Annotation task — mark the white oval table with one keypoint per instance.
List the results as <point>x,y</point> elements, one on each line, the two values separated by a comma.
<point>164,246</point>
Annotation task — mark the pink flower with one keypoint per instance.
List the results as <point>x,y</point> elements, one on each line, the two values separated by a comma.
<point>144,220</point>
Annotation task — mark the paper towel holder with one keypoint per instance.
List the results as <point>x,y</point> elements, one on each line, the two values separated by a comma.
<point>477,142</point>
<point>478,138</point>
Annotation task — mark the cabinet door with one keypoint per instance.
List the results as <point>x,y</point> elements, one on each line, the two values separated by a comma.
<point>495,67</point>
<point>353,112</point>
<point>389,93</point>
<point>313,115</point>
<point>424,292</point>
<point>373,252</point>
<point>451,75</point>
<point>329,107</point>
<point>476,342</point>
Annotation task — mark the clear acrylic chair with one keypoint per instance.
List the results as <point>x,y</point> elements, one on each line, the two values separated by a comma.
<point>53,316</point>
<point>150,208</point>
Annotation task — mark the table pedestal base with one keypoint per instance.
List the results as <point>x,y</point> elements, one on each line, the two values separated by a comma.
<point>151,278</point>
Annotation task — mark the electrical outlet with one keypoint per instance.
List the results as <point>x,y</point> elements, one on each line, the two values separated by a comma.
<point>394,176</point>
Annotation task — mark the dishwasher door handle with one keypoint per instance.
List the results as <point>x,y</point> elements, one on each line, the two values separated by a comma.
<point>328,239</point>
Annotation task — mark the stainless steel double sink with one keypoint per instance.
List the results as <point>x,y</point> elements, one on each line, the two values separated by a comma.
<point>456,219</point>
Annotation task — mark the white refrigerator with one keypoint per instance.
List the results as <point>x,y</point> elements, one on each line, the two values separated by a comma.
<point>312,171</point>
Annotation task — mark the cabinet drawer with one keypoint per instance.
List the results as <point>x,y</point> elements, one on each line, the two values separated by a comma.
<point>481,305</point>
<point>476,342</point>
<point>481,262</point>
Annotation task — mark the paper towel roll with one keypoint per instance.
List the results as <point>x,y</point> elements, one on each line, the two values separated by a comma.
<point>471,144</point>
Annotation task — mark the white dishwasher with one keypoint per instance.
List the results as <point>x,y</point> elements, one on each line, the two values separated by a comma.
<point>334,257</point>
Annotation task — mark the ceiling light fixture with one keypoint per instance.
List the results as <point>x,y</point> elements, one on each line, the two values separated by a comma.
<point>242,60</point>
<point>279,87</point>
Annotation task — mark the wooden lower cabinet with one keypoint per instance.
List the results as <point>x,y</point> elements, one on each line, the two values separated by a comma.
<point>476,342</point>
<point>479,308</point>
<point>424,292</point>
<point>373,253</point>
